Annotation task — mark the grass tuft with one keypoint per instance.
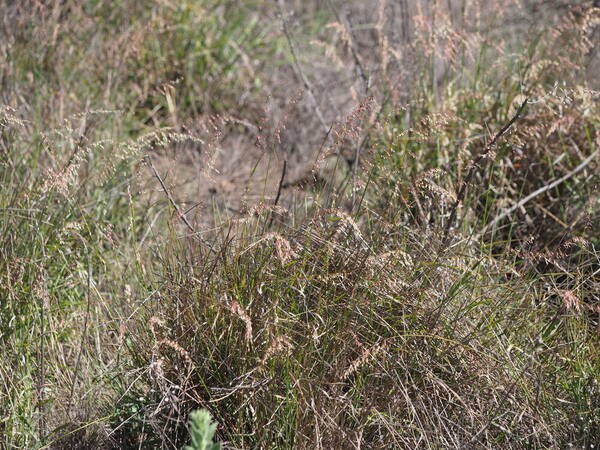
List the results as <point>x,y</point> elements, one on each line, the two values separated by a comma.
<point>357,224</point>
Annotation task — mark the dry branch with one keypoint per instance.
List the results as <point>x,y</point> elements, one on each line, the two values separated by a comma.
<point>537,192</point>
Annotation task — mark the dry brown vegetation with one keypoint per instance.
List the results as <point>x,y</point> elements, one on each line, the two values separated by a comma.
<point>364,224</point>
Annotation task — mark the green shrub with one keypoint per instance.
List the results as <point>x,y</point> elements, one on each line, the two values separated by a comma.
<point>202,431</point>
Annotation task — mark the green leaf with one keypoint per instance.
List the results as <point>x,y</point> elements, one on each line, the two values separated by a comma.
<point>202,430</point>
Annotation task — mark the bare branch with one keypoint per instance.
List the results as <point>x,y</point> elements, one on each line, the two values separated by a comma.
<point>474,167</point>
<point>299,71</point>
<point>537,192</point>
<point>180,213</point>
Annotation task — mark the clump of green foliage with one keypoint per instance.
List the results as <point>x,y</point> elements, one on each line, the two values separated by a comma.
<point>202,431</point>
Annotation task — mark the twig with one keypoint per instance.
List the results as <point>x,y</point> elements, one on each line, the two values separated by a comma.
<point>84,331</point>
<point>170,197</point>
<point>279,189</point>
<point>309,170</point>
<point>42,371</point>
<point>180,214</point>
<point>299,71</point>
<point>362,144</point>
<point>280,183</point>
<point>348,25</point>
<point>537,192</point>
<point>474,167</point>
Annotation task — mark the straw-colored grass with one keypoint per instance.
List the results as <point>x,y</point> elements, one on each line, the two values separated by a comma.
<point>330,224</point>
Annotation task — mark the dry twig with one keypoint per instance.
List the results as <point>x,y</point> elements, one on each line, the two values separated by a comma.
<point>472,170</point>
<point>537,192</point>
<point>299,71</point>
<point>180,213</point>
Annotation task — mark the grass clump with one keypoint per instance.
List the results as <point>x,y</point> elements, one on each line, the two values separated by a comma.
<point>403,255</point>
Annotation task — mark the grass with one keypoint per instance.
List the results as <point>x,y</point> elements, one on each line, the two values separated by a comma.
<point>358,264</point>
